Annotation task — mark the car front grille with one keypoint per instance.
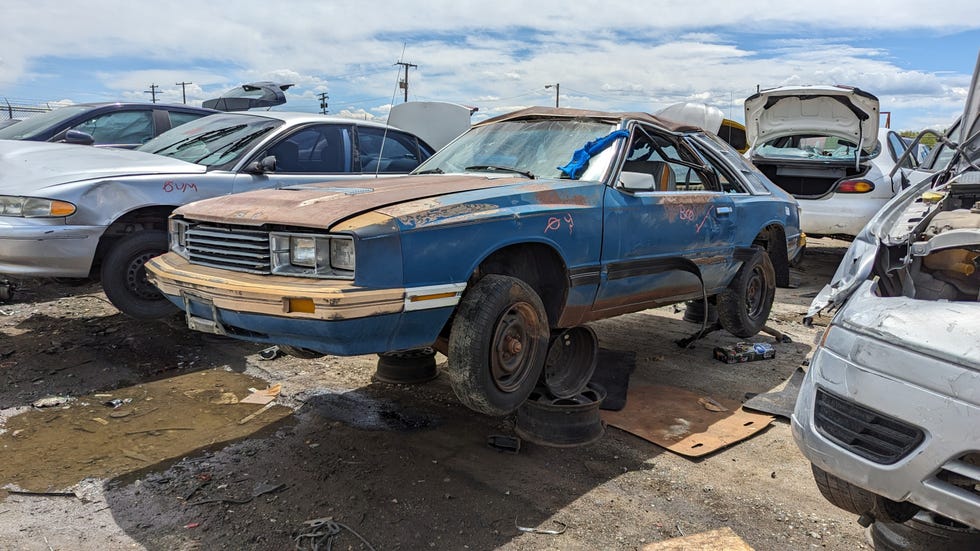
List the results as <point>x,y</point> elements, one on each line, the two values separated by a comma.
<point>864,432</point>
<point>229,248</point>
<point>964,474</point>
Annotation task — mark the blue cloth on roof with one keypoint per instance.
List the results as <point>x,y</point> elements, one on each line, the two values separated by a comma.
<point>580,159</point>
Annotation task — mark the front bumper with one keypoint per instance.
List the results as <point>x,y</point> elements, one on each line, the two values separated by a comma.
<point>907,388</point>
<point>329,316</point>
<point>32,249</point>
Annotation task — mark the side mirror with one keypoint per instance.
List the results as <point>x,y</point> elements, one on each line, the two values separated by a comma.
<point>79,137</point>
<point>266,164</point>
<point>637,181</point>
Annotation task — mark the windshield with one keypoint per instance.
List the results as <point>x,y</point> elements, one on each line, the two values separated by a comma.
<point>810,147</point>
<point>32,126</point>
<point>213,140</point>
<point>535,147</point>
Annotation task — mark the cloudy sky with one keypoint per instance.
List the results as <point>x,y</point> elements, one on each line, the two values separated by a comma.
<point>917,57</point>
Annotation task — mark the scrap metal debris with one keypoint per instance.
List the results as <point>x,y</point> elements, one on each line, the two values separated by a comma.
<point>561,529</point>
<point>248,418</point>
<point>319,534</point>
<point>259,490</point>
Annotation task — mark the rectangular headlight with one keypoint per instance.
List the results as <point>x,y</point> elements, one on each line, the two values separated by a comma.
<point>302,251</point>
<point>342,254</point>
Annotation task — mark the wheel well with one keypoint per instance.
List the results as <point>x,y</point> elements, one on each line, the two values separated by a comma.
<point>773,239</point>
<point>538,265</point>
<point>147,218</point>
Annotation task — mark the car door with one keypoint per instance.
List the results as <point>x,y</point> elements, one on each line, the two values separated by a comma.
<point>667,225</point>
<point>307,154</point>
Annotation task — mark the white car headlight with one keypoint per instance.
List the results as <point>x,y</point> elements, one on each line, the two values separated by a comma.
<point>342,254</point>
<point>33,207</point>
<point>302,251</point>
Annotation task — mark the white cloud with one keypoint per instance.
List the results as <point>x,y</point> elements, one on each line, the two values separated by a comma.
<point>606,55</point>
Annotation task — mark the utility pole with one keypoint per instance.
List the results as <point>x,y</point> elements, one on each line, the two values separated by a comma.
<point>183,89</point>
<point>557,87</point>
<point>403,84</point>
<point>323,101</point>
<point>152,91</point>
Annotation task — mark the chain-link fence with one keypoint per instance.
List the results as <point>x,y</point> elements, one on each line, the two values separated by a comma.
<point>11,110</point>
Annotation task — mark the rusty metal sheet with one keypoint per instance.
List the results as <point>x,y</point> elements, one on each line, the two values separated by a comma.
<point>681,421</point>
<point>722,539</point>
<point>323,205</point>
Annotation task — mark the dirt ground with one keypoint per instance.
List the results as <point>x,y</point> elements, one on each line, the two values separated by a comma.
<point>175,462</point>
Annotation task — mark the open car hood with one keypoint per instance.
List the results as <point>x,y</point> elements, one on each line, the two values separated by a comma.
<point>843,112</point>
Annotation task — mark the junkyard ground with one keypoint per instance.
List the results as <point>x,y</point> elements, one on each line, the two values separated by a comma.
<point>176,466</point>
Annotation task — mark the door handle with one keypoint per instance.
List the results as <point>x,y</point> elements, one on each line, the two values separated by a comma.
<point>723,210</point>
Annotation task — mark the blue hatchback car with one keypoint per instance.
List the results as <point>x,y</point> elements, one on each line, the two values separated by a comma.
<point>530,222</point>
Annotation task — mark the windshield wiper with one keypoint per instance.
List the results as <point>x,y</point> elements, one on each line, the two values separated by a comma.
<point>236,144</point>
<point>190,140</point>
<point>494,168</point>
<point>436,170</point>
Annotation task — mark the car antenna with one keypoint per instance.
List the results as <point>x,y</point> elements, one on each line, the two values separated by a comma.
<point>384,137</point>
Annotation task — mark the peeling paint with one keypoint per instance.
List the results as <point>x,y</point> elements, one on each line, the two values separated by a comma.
<point>435,214</point>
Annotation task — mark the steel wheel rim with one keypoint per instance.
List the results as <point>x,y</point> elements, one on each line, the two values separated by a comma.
<point>513,346</point>
<point>136,277</point>
<point>755,293</point>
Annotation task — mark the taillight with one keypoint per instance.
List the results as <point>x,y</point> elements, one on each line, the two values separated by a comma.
<point>855,186</point>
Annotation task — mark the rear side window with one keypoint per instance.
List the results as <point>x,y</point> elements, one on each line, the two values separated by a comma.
<point>390,151</point>
<point>178,118</point>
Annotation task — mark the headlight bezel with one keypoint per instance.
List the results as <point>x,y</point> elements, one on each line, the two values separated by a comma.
<point>321,256</point>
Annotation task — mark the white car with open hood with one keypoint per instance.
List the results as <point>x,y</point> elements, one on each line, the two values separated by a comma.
<point>888,411</point>
<point>823,145</point>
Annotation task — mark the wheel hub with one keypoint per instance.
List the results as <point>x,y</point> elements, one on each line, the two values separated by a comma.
<point>510,351</point>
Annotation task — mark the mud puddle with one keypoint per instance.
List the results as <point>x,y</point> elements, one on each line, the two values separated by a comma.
<point>104,435</point>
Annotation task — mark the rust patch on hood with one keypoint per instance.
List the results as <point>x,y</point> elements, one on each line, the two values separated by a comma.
<point>323,205</point>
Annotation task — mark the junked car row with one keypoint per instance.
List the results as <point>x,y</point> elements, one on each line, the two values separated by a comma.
<point>544,219</point>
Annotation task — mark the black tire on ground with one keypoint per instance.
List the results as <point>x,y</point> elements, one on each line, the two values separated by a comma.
<point>124,276</point>
<point>497,345</point>
<point>927,530</point>
<point>298,352</point>
<point>843,494</point>
<point>744,307</point>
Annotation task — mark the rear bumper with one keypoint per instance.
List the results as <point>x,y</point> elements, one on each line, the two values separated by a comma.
<point>838,214</point>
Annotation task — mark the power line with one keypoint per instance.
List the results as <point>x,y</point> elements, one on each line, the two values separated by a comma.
<point>323,101</point>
